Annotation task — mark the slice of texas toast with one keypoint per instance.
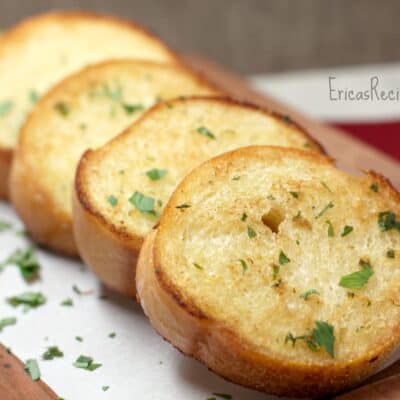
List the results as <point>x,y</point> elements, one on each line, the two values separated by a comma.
<point>278,271</point>
<point>42,50</point>
<point>83,112</point>
<point>139,170</point>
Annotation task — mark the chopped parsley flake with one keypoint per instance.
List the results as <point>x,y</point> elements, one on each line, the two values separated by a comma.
<point>283,258</point>
<point>326,186</point>
<point>112,335</point>
<point>33,96</point>
<point>321,336</point>
<point>374,187</point>
<point>275,271</point>
<point>81,292</point>
<point>251,232</point>
<point>9,321</point>
<point>387,220</point>
<point>62,108</point>
<point>205,132</point>
<point>4,226</point>
<point>198,266</point>
<point>112,200</point>
<point>143,203</point>
<point>295,194</point>
<point>6,107</point>
<point>132,108</point>
<point>325,209</point>
<point>52,352</point>
<point>79,338</point>
<point>105,388</point>
<point>32,368</point>
<point>244,265</point>
<point>331,231</point>
<point>390,253</point>
<point>26,262</point>
<point>156,174</point>
<point>309,293</point>
<point>359,279</point>
<point>181,206</point>
<point>28,300</point>
<point>223,396</point>
<point>67,302</point>
<point>85,362</point>
<point>244,217</point>
<point>347,230</point>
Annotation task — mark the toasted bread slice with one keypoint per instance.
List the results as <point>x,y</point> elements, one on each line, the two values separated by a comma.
<point>281,273</point>
<point>150,159</point>
<point>84,111</point>
<point>42,50</point>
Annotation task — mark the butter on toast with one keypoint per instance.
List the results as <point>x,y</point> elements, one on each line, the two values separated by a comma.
<point>40,51</point>
<point>83,112</point>
<point>278,271</point>
<point>122,187</point>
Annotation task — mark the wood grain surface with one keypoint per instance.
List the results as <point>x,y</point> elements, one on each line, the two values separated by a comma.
<point>353,155</point>
<point>16,384</point>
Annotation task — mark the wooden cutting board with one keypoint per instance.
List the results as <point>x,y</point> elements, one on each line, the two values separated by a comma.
<point>351,154</point>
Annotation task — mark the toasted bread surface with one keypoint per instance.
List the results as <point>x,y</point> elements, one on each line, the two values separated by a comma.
<point>169,141</point>
<point>285,280</point>
<point>40,51</point>
<point>83,112</point>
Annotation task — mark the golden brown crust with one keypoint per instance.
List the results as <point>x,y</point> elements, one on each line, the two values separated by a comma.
<point>5,166</point>
<point>22,30</point>
<point>111,253</point>
<point>230,356</point>
<point>198,335</point>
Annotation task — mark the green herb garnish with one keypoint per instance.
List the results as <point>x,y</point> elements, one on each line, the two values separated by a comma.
<point>6,107</point>
<point>81,292</point>
<point>9,321</point>
<point>4,225</point>
<point>251,232</point>
<point>52,352</point>
<point>181,206</point>
<point>331,231</point>
<point>275,271</point>
<point>244,265</point>
<point>28,300</point>
<point>309,293</point>
<point>325,209</point>
<point>32,368</point>
<point>359,279</point>
<point>295,194</point>
<point>156,174</point>
<point>205,132</point>
<point>26,262</point>
<point>112,335</point>
<point>326,186</point>
<point>283,258</point>
<point>112,200</point>
<point>85,362</point>
<point>143,203</point>
<point>132,108</point>
<point>387,220</point>
<point>390,253</point>
<point>374,187</point>
<point>62,108</point>
<point>223,396</point>
<point>347,230</point>
<point>33,96</point>
<point>198,266</point>
<point>244,217</point>
<point>105,388</point>
<point>79,338</point>
<point>293,339</point>
<point>67,302</point>
<point>323,335</point>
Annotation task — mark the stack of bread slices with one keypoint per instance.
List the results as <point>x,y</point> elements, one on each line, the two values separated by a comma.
<point>246,247</point>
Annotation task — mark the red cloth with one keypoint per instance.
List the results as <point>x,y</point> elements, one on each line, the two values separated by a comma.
<point>383,135</point>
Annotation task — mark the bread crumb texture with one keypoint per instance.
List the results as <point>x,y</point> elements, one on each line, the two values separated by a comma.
<point>172,139</point>
<point>42,50</point>
<point>262,246</point>
<point>87,110</point>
